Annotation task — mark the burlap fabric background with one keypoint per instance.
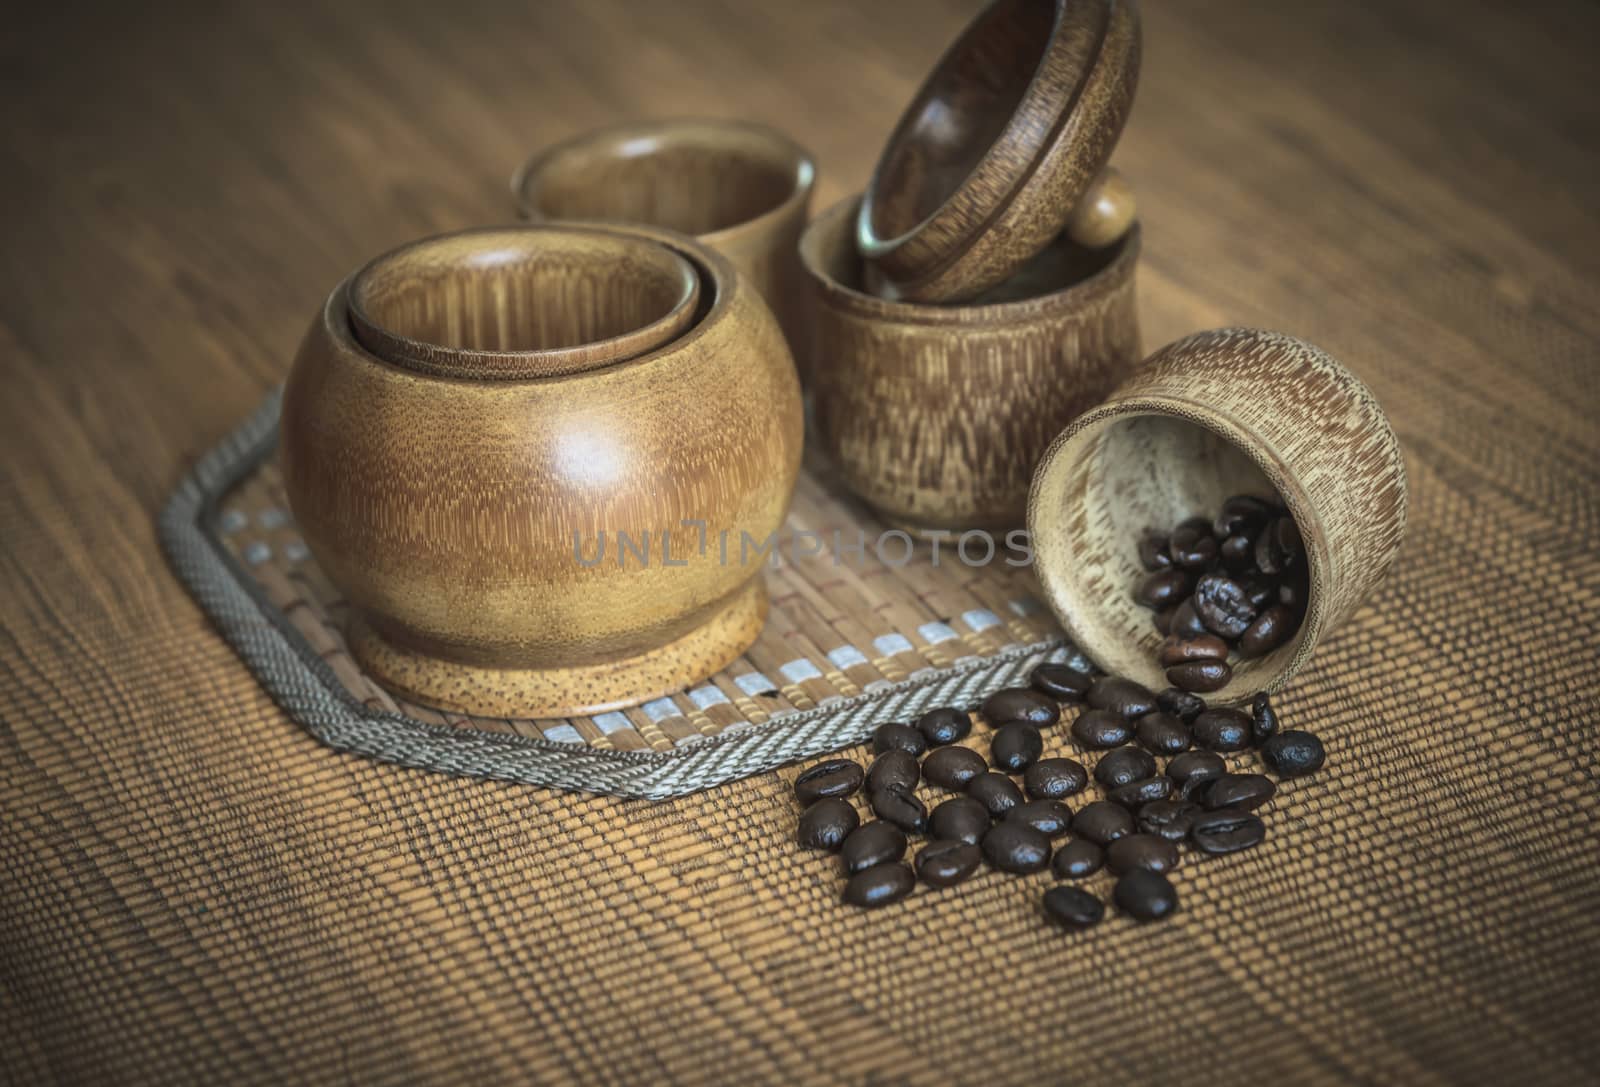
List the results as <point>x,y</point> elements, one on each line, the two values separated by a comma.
<point>193,890</point>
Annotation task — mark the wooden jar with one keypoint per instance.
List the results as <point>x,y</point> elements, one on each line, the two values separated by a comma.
<point>936,415</point>
<point>460,512</point>
<point>1235,411</point>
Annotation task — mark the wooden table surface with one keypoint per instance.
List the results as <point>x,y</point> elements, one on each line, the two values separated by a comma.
<point>193,890</point>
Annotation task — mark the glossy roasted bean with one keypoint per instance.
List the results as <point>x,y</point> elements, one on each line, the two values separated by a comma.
<point>898,737</point>
<point>870,844</point>
<point>1049,817</point>
<point>1192,546</point>
<point>1260,591</point>
<point>1193,769</point>
<point>1016,847</point>
<point>827,823</point>
<point>1186,622</point>
<point>879,885</point>
<point>1077,859</point>
<point>1243,513</point>
<point>1102,822</point>
<point>1055,779</point>
<point>945,725</point>
<point>1136,794</point>
<point>1072,908</point>
<point>1169,819</point>
<point>1200,676</point>
<point>1147,851</point>
<point>1237,552</point>
<point>1267,632</point>
<point>953,767</point>
<point>893,768</point>
<point>1145,895</point>
<point>1060,682</point>
<point>1244,792</point>
<point>1020,704</point>
<point>959,819</point>
<point>1292,753</point>
<point>1015,747</point>
<point>1123,765</point>
<point>1162,620</point>
<point>1293,589</point>
<point>1279,547</point>
<point>1120,696</point>
<point>1226,831</point>
<point>996,792</point>
<point>1164,589</point>
<point>1222,605</point>
<point>1184,705</point>
<point>1100,729</point>
<point>1206,647</point>
<point>1162,734</point>
<point>836,777</point>
<point>1222,730</point>
<point>900,807</point>
<point>1263,718</point>
<point>947,863</point>
<point>1153,554</point>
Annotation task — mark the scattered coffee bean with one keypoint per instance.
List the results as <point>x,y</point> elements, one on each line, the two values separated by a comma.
<point>1292,753</point>
<point>1237,552</point>
<point>996,792</point>
<point>1078,859</point>
<point>1192,546</point>
<point>1243,792</point>
<point>836,777</point>
<point>1072,907</point>
<point>870,844</point>
<point>1267,632</point>
<point>1015,747</point>
<point>879,885</point>
<point>1186,622</point>
<point>1193,769</point>
<point>1136,794</point>
<point>1060,682</point>
<point>1241,514</point>
<point>1055,779</point>
<point>1100,729</point>
<point>893,768</point>
<point>1169,819</point>
<point>1263,718</point>
<point>1222,605</point>
<point>1201,676</point>
<point>1145,895</point>
<point>1162,620</point>
<point>953,767</point>
<point>1226,831</point>
<point>1123,765</point>
<point>1279,547</point>
<point>1292,592</point>
<point>1183,705</point>
<point>1049,817</point>
<point>1148,851</point>
<point>959,819</point>
<point>947,863</point>
<point>945,725</point>
<point>1162,734</point>
<point>1206,647</point>
<point>1016,847</point>
<point>900,807</point>
<point>1259,591</point>
<point>898,737</point>
<point>1020,704</point>
<point>1163,589</point>
<point>1102,822</point>
<point>827,823</point>
<point>1153,553</point>
<point>1120,696</point>
<point>1222,730</point>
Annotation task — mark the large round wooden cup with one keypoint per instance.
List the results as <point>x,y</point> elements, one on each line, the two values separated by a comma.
<point>1235,411</point>
<point>548,545</point>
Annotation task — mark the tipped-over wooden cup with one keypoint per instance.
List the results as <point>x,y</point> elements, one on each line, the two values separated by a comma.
<point>1235,411</point>
<point>937,415</point>
<point>743,189</point>
<point>475,521</point>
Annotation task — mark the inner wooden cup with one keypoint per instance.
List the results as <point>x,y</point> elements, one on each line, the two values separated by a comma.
<point>1129,468</point>
<point>697,177</point>
<point>522,302</point>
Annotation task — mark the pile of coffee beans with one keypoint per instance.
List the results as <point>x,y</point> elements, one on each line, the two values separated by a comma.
<point>1232,584</point>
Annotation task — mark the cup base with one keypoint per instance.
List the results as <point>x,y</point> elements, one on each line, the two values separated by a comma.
<point>570,690</point>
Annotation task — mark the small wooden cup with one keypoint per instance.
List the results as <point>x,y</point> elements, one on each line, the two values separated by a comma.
<point>461,511</point>
<point>743,189</point>
<point>937,415</point>
<point>1235,411</point>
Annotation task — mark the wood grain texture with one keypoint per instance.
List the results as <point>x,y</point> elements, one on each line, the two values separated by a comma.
<point>194,890</point>
<point>1215,414</point>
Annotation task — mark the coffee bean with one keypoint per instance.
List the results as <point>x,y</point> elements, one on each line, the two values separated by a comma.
<point>893,768</point>
<point>1192,546</point>
<point>1077,859</point>
<point>1269,630</point>
<point>1242,513</point>
<point>1193,769</point>
<point>879,885</point>
<point>1263,718</point>
<point>1293,590</point>
<point>1136,794</point>
<point>1049,817</point>
<point>1186,622</point>
<point>1072,907</point>
<point>900,807</point>
<point>1202,676</point>
<point>1183,705</point>
<point>1145,895</point>
<point>1020,704</point>
<point>1055,779</point>
<point>1207,647</point>
<point>959,819</point>
<point>1100,729</point>
<point>1222,605</point>
<point>1279,547</point>
<point>836,777</point>
<point>1259,591</point>
<point>1153,553</point>
<point>1169,819</point>
<point>953,767</point>
<point>1016,847</point>
<point>944,725</point>
<point>1147,851</point>
<point>1162,620</point>
<point>1237,552</point>
<point>1164,589</point>
<point>1162,734</point>
<point>946,863</point>
<point>1123,765</point>
<point>1122,696</point>
<point>1102,822</point>
<point>1292,753</point>
<point>1244,792</point>
<point>898,737</point>
<point>1015,747</point>
<point>827,823</point>
<point>870,844</point>
<point>1226,831</point>
<point>996,792</point>
<point>1060,682</point>
<point>1222,730</point>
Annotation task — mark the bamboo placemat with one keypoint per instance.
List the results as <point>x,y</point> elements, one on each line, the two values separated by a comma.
<point>852,640</point>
